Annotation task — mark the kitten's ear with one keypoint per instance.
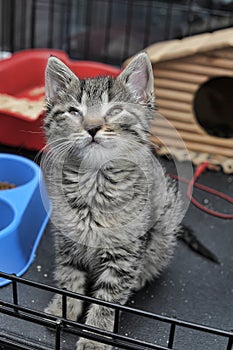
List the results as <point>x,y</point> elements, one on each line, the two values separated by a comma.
<point>58,79</point>
<point>139,79</point>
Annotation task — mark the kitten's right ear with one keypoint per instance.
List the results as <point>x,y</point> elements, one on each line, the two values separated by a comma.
<point>139,78</point>
<point>58,78</point>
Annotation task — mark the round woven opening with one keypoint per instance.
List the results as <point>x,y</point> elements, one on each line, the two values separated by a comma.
<point>213,107</point>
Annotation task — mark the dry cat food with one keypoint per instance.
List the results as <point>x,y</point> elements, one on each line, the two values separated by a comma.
<point>23,106</point>
<point>6,185</point>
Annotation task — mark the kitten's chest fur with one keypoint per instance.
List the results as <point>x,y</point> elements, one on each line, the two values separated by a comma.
<point>107,203</point>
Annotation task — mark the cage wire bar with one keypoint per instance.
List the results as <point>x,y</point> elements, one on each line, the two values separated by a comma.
<point>105,30</point>
<point>62,324</point>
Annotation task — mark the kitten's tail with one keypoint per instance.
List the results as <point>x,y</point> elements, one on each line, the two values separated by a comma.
<point>187,235</point>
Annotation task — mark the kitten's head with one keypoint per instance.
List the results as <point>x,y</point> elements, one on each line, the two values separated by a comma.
<point>97,115</point>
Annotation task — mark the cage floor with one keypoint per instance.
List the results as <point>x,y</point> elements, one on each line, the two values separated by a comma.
<point>191,288</point>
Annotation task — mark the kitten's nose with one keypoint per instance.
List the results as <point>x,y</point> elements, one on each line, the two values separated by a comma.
<point>93,130</point>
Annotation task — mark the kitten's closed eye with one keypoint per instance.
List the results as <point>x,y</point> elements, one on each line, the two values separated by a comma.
<point>75,111</point>
<point>114,111</point>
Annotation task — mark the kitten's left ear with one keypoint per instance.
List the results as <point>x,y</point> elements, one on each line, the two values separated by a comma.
<point>139,78</point>
<point>58,79</point>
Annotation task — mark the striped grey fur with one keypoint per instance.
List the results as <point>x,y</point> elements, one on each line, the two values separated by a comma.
<point>116,214</point>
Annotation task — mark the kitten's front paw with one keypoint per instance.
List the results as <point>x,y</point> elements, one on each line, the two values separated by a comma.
<point>55,306</point>
<point>74,307</point>
<point>85,344</point>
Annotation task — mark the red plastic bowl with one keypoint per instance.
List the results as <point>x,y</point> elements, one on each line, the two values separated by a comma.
<point>24,71</point>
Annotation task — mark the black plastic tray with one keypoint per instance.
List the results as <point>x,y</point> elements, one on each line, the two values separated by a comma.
<point>191,289</point>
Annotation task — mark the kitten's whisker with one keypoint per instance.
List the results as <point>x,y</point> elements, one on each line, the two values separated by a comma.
<point>136,143</point>
<point>46,148</point>
<point>130,142</point>
<point>58,155</point>
<point>55,155</point>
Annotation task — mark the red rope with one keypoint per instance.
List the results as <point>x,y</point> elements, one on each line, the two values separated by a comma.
<point>200,169</point>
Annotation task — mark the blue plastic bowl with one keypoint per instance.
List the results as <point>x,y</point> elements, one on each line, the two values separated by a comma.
<point>24,213</point>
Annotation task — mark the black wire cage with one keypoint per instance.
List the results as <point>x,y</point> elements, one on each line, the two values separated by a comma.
<point>106,31</point>
<point>61,326</point>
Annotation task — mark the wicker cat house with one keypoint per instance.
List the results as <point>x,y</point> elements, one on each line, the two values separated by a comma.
<point>194,94</point>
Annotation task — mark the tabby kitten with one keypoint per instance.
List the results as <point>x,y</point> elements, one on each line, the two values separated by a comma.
<point>116,214</point>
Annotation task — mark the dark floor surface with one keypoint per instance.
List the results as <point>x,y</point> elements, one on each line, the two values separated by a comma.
<point>191,288</point>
